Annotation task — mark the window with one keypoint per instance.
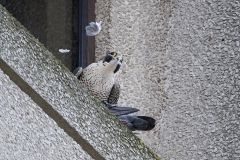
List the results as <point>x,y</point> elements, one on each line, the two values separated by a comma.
<point>58,24</point>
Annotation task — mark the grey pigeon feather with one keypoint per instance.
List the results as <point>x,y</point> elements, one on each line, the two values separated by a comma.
<point>118,110</point>
<point>93,29</point>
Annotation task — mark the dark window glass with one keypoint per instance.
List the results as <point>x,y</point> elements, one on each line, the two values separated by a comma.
<point>58,24</point>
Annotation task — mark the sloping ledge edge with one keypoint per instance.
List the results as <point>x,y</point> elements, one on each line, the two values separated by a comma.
<point>60,95</point>
<point>49,110</point>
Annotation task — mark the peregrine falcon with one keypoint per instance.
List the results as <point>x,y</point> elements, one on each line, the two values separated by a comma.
<point>100,79</point>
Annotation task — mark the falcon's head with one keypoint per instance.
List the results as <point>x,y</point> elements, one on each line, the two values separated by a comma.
<point>113,61</point>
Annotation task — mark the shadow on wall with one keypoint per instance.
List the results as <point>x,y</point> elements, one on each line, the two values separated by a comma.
<point>53,23</point>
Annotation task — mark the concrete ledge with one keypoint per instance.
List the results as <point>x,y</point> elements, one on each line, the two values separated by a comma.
<point>54,88</point>
<point>48,109</point>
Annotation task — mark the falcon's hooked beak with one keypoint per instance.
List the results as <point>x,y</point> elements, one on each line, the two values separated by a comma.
<point>119,58</point>
<point>115,54</point>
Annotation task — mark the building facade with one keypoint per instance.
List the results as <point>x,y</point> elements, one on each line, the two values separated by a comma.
<point>180,66</point>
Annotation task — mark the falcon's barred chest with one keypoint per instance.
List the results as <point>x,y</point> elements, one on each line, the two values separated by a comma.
<point>97,81</point>
<point>99,77</point>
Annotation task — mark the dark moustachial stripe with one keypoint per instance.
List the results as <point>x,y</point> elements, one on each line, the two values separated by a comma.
<point>117,68</point>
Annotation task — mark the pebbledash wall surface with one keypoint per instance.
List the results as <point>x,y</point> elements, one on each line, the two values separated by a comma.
<point>46,113</point>
<point>181,66</point>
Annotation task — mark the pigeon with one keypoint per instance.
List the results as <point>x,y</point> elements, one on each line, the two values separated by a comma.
<point>134,122</point>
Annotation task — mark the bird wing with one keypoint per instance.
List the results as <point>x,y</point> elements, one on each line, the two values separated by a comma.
<point>114,94</point>
<point>78,72</point>
<point>117,111</point>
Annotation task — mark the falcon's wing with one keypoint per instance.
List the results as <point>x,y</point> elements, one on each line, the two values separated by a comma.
<point>78,72</point>
<point>114,94</point>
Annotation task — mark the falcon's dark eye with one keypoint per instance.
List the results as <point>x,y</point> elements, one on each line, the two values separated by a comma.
<point>107,58</point>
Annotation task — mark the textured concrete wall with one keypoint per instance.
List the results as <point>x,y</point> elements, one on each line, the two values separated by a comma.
<point>138,30</point>
<point>29,133</point>
<point>59,94</point>
<point>181,66</point>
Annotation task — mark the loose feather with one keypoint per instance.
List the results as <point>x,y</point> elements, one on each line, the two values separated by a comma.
<point>64,50</point>
<point>93,29</point>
